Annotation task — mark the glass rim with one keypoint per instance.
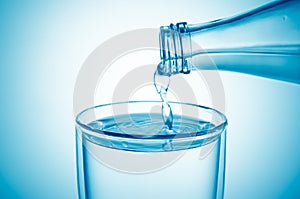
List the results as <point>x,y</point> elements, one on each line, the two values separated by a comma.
<point>201,133</point>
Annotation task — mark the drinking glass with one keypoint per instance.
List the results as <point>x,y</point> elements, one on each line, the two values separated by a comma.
<point>124,151</point>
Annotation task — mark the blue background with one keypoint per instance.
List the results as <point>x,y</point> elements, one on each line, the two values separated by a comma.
<point>42,47</point>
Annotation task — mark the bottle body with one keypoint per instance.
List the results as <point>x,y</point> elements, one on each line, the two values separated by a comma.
<point>263,42</point>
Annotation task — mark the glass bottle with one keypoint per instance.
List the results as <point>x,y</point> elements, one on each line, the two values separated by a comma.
<point>264,42</point>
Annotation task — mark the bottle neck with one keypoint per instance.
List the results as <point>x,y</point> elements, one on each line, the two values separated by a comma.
<point>175,48</point>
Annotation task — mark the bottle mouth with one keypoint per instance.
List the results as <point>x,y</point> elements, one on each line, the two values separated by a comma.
<point>175,47</point>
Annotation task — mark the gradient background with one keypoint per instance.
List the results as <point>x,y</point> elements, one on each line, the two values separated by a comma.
<point>42,47</point>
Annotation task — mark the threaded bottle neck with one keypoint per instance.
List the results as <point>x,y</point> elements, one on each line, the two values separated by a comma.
<point>175,49</point>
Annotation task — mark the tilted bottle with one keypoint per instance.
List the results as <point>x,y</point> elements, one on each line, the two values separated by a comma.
<point>263,42</point>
